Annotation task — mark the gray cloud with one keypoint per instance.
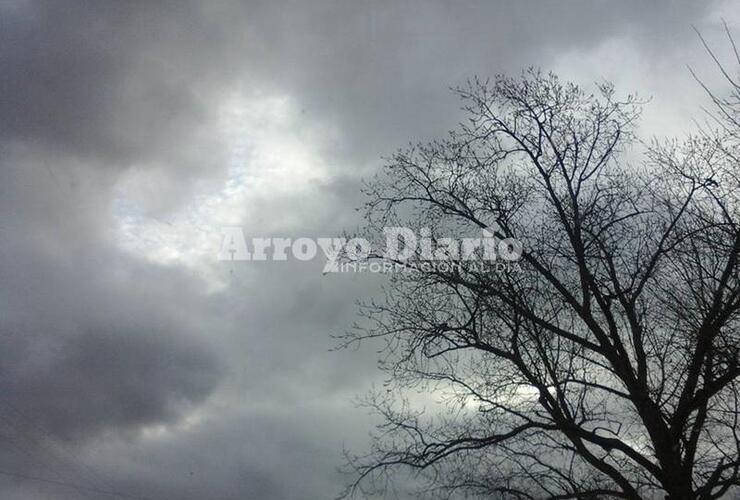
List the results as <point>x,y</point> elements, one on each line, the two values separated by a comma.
<point>121,372</point>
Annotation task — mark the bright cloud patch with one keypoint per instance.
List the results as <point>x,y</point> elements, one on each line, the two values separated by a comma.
<point>273,153</point>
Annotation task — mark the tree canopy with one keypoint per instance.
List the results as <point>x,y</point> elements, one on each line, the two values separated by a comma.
<point>605,365</point>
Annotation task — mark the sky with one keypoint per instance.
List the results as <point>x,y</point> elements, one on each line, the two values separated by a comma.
<point>134,363</point>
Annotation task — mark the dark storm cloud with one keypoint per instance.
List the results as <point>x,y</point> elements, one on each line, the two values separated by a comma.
<point>98,345</point>
<point>135,82</point>
<point>107,80</point>
<point>91,339</point>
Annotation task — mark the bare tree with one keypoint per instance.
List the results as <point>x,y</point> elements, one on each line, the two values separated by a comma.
<point>606,364</point>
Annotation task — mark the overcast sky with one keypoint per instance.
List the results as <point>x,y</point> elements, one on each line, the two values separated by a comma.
<point>132,360</point>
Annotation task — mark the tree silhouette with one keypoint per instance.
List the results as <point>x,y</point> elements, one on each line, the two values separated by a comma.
<point>604,365</point>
